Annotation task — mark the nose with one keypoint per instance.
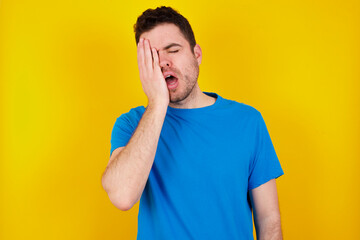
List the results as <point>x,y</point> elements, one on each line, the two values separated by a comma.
<point>164,61</point>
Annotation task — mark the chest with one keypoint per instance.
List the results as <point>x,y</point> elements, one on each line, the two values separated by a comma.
<point>205,152</point>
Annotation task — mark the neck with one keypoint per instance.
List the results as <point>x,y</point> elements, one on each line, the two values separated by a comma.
<point>196,99</point>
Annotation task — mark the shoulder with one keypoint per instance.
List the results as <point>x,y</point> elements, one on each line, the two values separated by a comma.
<point>242,109</point>
<point>135,112</point>
<point>133,116</point>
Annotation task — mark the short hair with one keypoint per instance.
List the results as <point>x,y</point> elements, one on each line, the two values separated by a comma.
<point>151,18</point>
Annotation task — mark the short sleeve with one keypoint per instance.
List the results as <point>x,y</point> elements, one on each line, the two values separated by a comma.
<point>265,165</point>
<point>124,127</point>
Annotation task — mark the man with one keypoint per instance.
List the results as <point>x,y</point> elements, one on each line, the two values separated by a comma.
<point>199,163</point>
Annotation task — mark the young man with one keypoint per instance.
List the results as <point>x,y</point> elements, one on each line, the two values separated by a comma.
<point>199,163</point>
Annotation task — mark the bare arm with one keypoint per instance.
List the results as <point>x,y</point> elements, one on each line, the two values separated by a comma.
<point>264,200</point>
<point>125,176</point>
<point>127,172</point>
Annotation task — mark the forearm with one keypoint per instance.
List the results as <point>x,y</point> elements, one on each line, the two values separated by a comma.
<point>125,177</point>
<point>269,228</point>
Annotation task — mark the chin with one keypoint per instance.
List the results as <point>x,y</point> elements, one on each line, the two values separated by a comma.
<point>176,98</point>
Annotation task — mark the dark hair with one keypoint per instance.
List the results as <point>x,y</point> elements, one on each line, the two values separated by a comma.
<point>154,17</point>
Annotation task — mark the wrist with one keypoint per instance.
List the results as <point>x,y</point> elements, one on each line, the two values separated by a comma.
<point>158,104</point>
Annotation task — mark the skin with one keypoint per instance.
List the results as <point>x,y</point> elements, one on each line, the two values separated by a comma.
<point>162,49</point>
<point>174,54</point>
<point>264,200</point>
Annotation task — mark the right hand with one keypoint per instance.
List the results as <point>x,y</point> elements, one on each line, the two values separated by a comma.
<point>152,79</point>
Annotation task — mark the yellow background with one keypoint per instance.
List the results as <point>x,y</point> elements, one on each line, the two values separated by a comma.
<point>68,70</point>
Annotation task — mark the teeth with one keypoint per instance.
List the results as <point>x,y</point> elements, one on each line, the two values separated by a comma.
<point>168,76</point>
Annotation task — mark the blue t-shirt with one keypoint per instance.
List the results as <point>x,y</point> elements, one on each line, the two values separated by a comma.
<point>206,161</point>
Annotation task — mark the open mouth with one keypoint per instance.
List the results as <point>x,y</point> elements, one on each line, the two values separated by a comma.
<point>170,77</point>
<point>171,81</point>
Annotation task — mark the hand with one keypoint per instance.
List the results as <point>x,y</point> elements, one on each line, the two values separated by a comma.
<point>152,79</point>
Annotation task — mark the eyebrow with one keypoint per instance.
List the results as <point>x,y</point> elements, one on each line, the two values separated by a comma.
<point>172,45</point>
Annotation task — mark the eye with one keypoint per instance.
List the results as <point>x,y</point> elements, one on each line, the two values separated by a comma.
<point>175,51</point>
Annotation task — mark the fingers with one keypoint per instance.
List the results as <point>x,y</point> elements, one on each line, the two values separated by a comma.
<point>147,56</point>
<point>147,53</point>
<point>155,57</point>
<point>140,55</point>
<point>150,72</point>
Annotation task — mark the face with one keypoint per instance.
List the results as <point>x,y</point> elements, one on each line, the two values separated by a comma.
<point>176,58</point>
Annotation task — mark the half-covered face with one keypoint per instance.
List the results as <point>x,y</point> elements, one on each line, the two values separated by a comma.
<point>179,65</point>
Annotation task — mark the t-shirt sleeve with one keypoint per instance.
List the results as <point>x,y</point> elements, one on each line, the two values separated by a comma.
<point>121,132</point>
<point>265,165</point>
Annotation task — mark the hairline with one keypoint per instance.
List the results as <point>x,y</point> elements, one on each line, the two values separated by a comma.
<point>170,23</point>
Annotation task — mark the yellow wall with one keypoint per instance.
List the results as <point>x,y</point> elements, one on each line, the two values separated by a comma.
<point>68,70</point>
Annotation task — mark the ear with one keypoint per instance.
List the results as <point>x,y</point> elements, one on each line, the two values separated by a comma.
<point>198,53</point>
